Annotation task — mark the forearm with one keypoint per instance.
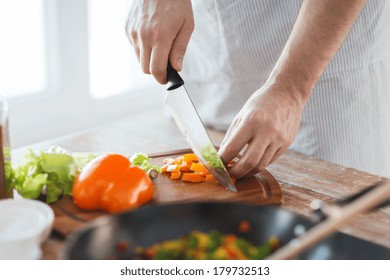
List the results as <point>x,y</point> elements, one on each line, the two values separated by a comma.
<point>318,33</point>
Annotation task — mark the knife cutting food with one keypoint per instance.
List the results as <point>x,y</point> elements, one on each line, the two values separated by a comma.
<point>189,123</point>
<point>275,77</point>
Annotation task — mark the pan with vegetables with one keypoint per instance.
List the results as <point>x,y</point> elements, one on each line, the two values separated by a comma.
<point>200,229</point>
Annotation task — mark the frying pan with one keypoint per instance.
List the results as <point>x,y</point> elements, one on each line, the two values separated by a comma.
<point>151,224</point>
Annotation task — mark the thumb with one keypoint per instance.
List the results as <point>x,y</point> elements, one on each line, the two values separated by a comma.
<point>179,47</point>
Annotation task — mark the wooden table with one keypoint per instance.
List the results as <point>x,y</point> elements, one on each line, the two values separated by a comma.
<point>301,178</point>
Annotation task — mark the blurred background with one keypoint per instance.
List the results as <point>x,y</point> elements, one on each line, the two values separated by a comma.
<point>66,66</point>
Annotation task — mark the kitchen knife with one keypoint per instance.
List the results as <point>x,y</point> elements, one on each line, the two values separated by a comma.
<point>187,119</point>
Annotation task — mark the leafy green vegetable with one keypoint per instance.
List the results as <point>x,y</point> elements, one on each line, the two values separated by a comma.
<point>211,156</point>
<point>143,161</point>
<point>51,171</point>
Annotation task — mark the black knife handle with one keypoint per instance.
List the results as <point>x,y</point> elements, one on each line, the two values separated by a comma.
<point>173,78</point>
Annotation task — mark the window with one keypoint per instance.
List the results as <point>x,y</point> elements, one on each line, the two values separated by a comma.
<point>22,50</point>
<point>66,66</point>
<point>113,67</point>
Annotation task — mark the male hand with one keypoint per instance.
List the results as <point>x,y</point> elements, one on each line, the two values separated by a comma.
<point>160,30</point>
<point>265,127</point>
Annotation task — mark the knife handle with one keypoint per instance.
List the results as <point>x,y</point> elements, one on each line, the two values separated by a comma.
<point>173,78</point>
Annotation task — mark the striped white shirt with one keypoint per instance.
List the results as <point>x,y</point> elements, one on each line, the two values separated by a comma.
<point>235,45</point>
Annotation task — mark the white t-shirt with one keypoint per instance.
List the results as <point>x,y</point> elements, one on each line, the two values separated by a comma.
<point>235,45</point>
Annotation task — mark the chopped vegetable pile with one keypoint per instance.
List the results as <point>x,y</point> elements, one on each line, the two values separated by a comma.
<point>208,246</point>
<point>188,168</point>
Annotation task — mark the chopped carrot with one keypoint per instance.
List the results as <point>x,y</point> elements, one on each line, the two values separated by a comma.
<point>185,166</point>
<point>190,158</point>
<point>150,252</point>
<point>244,226</point>
<point>189,166</point>
<point>210,178</point>
<point>198,167</point>
<point>175,175</point>
<point>178,160</point>
<point>173,168</point>
<point>193,177</point>
<point>230,238</point>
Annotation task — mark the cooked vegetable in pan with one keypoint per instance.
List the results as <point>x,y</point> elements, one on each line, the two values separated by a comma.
<point>213,245</point>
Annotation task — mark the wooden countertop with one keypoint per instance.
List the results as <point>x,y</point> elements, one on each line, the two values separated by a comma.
<point>301,178</point>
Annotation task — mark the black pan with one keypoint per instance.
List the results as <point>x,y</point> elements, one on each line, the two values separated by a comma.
<point>151,224</point>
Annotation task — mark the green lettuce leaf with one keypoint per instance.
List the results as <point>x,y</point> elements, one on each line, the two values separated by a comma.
<point>51,171</point>
<point>142,161</point>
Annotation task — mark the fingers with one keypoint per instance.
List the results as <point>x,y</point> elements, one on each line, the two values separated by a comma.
<point>154,50</point>
<point>256,158</point>
<point>234,144</point>
<point>160,31</point>
<point>249,162</point>
<point>145,58</point>
<point>179,45</point>
<point>278,153</point>
<point>158,66</point>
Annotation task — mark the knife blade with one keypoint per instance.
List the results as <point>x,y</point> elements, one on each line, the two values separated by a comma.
<point>191,126</point>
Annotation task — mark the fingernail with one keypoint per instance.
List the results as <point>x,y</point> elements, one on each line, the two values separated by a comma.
<point>179,63</point>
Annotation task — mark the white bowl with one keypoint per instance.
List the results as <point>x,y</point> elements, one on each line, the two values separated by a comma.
<point>24,225</point>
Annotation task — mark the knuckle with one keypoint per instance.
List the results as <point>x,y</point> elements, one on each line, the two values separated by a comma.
<point>179,49</point>
<point>229,149</point>
<point>261,166</point>
<point>254,119</point>
<point>269,126</point>
<point>159,35</point>
<point>143,33</point>
<point>191,26</point>
<point>133,35</point>
<point>157,71</point>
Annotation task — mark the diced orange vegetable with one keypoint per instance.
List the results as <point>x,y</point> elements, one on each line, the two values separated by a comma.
<point>190,158</point>
<point>244,226</point>
<point>230,238</point>
<point>193,177</point>
<point>173,168</point>
<point>178,160</point>
<point>150,252</point>
<point>188,168</point>
<point>175,175</point>
<point>185,166</point>
<point>210,178</point>
<point>198,167</point>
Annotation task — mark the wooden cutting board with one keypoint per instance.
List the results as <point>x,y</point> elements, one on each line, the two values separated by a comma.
<point>260,189</point>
